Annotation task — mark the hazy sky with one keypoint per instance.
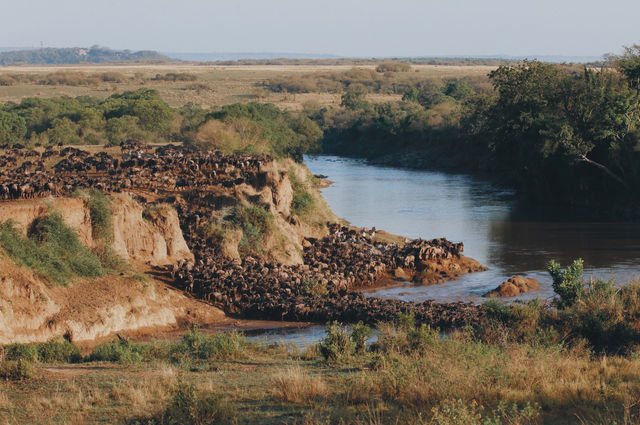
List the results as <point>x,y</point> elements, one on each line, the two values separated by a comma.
<point>342,27</point>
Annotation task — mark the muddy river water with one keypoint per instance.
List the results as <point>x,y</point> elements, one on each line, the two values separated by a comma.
<point>496,231</point>
<point>507,238</point>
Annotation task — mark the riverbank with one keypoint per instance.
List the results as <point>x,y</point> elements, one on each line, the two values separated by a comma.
<point>410,375</point>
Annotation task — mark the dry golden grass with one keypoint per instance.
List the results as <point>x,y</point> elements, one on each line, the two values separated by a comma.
<point>215,85</point>
<point>295,385</point>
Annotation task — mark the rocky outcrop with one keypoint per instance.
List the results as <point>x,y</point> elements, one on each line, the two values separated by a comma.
<point>514,287</point>
<point>153,237</point>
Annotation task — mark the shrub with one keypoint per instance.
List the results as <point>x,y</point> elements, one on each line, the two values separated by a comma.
<point>302,201</point>
<point>118,351</point>
<point>198,345</point>
<point>52,249</point>
<point>256,223</point>
<point>101,216</point>
<point>27,352</point>
<point>567,283</point>
<point>314,287</point>
<point>601,317</point>
<point>53,351</point>
<point>58,350</point>
<point>359,335</point>
<point>340,343</point>
<point>188,407</point>
<point>404,335</point>
<point>16,370</point>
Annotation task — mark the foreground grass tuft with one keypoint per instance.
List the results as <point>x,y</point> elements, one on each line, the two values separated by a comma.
<point>295,385</point>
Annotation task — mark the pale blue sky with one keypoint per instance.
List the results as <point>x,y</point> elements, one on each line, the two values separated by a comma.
<point>342,27</point>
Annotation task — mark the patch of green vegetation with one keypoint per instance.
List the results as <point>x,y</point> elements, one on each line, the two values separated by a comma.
<point>56,350</point>
<point>100,212</point>
<point>256,223</point>
<point>251,128</point>
<point>567,283</point>
<point>195,348</point>
<point>198,345</point>
<point>598,314</point>
<point>314,287</point>
<point>15,370</point>
<point>119,351</point>
<point>302,201</point>
<point>340,344</point>
<point>52,249</point>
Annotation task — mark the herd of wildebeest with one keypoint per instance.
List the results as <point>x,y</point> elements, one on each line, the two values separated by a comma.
<point>326,287</point>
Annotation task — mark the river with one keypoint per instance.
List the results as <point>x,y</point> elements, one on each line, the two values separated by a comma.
<point>508,239</point>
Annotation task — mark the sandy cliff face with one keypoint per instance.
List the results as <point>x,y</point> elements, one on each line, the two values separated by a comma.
<point>74,212</point>
<point>32,309</point>
<point>154,238</point>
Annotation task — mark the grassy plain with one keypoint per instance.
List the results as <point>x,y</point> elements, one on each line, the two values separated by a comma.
<point>410,377</point>
<point>214,84</point>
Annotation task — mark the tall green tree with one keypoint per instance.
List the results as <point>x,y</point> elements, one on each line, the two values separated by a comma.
<point>12,128</point>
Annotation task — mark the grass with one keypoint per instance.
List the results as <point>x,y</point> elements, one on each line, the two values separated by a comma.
<point>52,249</point>
<point>405,378</point>
<point>295,385</point>
<point>256,224</point>
<point>224,84</point>
<point>302,202</point>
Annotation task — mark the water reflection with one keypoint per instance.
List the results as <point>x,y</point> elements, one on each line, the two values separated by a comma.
<point>495,230</point>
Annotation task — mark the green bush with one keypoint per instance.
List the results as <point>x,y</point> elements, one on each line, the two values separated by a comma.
<point>52,249</point>
<point>118,351</point>
<point>56,350</point>
<point>101,216</point>
<point>15,370</point>
<point>603,318</point>
<point>359,335</point>
<point>285,135</point>
<point>302,200</point>
<point>27,352</point>
<point>314,287</point>
<point>567,283</point>
<point>256,223</point>
<point>341,343</point>
<point>338,344</point>
<point>200,346</point>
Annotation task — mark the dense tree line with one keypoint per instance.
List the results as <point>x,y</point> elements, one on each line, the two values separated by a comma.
<point>74,55</point>
<point>557,133</point>
<point>143,115</point>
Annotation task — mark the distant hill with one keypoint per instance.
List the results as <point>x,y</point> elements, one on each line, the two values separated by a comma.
<point>75,55</point>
